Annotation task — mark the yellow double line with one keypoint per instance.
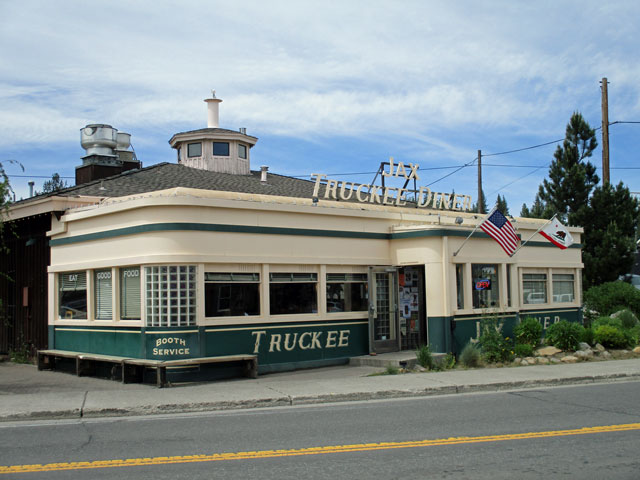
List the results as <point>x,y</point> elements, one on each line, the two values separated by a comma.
<point>358,447</point>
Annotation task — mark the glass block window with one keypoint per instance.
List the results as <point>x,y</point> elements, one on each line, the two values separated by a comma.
<point>194,149</point>
<point>347,292</point>
<point>103,294</point>
<point>534,288</point>
<point>231,294</point>
<point>171,295</point>
<point>563,285</point>
<point>221,149</point>
<point>72,295</point>
<point>130,298</point>
<point>291,293</point>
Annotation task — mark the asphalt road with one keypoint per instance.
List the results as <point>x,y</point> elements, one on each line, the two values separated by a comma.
<point>522,434</point>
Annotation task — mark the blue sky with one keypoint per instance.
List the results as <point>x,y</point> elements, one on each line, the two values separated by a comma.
<point>327,87</point>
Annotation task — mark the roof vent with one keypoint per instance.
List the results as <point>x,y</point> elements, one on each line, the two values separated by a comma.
<point>99,139</point>
<point>213,114</point>
<point>263,173</point>
<point>243,130</point>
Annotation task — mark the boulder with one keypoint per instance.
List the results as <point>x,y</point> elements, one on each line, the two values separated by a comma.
<point>554,360</point>
<point>599,348</point>
<point>547,351</point>
<point>605,354</point>
<point>636,350</point>
<point>524,363</point>
<point>584,354</point>
<point>530,360</point>
<point>569,359</point>
<point>543,361</point>
<point>584,346</point>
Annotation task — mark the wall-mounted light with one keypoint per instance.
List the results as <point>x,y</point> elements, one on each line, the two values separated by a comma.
<point>459,220</point>
<point>315,201</point>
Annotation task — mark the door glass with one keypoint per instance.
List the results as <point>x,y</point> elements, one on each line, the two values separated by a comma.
<point>383,324</point>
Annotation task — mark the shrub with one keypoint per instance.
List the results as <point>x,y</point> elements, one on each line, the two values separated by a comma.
<point>495,347</point>
<point>523,350</point>
<point>626,317</point>
<point>610,336</point>
<point>607,298</point>
<point>424,357</point>
<point>614,322</point>
<point>470,356</point>
<point>564,335</point>
<point>528,332</point>
<point>392,369</point>
<point>587,336</point>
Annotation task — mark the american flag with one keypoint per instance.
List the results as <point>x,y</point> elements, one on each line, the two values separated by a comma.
<point>500,229</point>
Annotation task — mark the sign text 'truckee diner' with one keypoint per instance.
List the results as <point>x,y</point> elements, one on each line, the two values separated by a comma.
<point>365,193</point>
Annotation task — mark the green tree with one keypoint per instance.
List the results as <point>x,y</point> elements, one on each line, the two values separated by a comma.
<point>54,185</point>
<point>501,202</point>
<point>483,202</point>
<point>610,222</point>
<point>571,176</point>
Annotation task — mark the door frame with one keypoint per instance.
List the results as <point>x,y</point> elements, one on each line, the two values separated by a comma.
<point>392,344</point>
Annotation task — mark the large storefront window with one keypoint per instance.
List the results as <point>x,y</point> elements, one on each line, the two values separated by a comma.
<point>291,293</point>
<point>231,294</point>
<point>72,298</point>
<point>171,296</point>
<point>347,292</point>
<point>486,287</point>
<point>130,293</point>
<point>563,287</point>
<point>103,297</point>
<point>534,288</point>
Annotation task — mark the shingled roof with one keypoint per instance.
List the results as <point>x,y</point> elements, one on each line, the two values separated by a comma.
<point>170,175</point>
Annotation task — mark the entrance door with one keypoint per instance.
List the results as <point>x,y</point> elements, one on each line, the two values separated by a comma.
<point>383,310</point>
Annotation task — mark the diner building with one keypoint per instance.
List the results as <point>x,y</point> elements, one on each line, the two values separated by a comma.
<point>207,258</point>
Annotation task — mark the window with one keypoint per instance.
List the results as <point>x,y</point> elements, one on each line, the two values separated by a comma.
<point>171,295</point>
<point>486,287</point>
<point>231,294</point>
<point>194,149</point>
<point>460,285</point>
<point>293,293</point>
<point>221,149</point>
<point>103,294</point>
<point>72,297</point>
<point>534,288</point>
<point>242,151</point>
<point>347,292</point>
<point>130,293</point>
<point>563,287</point>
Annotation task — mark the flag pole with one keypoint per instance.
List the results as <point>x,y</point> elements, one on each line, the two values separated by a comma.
<point>522,244</point>
<point>474,230</point>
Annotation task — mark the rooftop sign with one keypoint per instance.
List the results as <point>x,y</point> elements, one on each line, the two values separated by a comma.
<point>383,195</point>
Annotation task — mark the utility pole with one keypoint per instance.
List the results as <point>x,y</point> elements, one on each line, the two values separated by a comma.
<point>605,132</point>
<point>480,209</point>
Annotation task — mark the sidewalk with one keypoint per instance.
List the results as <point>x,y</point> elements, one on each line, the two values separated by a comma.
<point>26,393</point>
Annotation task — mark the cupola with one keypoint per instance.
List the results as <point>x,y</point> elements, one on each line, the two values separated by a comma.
<point>213,148</point>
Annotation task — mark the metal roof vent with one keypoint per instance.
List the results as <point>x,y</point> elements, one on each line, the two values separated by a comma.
<point>99,140</point>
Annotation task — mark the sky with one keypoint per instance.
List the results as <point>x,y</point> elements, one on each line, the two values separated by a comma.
<point>332,87</point>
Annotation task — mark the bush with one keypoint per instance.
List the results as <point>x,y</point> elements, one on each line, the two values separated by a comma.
<point>523,350</point>
<point>626,317</point>
<point>495,347</point>
<point>587,336</point>
<point>528,332</point>
<point>470,356</point>
<point>424,357</point>
<point>610,336</point>
<point>613,322</point>
<point>392,369</point>
<point>607,298</point>
<point>445,363</point>
<point>564,335</point>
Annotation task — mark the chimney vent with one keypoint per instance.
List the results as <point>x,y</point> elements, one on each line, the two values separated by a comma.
<point>31,184</point>
<point>213,114</point>
<point>243,130</point>
<point>263,173</point>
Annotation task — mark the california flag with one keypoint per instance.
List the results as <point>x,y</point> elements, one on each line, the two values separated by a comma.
<point>557,234</point>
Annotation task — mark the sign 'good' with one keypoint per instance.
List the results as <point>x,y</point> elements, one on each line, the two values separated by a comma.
<point>383,195</point>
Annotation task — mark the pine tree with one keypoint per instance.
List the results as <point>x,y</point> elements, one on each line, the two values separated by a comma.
<point>483,202</point>
<point>501,202</point>
<point>571,178</point>
<point>53,185</point>
<point>610,222</point>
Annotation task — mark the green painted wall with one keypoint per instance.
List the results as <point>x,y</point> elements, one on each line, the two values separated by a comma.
<point>121,341</point>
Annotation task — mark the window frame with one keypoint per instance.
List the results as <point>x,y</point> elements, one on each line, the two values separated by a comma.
<point>495,297</point>
<point>80,274</point>
<point>98,301</point>
<point>242,147</point>
<point>122,299</point>
<point>347,279</point>
<point>213,149</point>
<point>164,286</point>
<point>295,278</point>
<point>231,281</point>
<point>189,145</point>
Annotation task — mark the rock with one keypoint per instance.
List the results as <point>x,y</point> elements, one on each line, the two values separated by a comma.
<point>530,360</point>
<point>599,348</point>
<point>624,352</point>
<point>554,360</point>
<point>569,359</point>
<point>605,354</point>
<point>584,346</point>
<point>584,354</point>
<point>419,368</point>
<point>524,363</point>
<point>517,360</point>
<point>547,351</point>
<point>636,350</point>
<point>543,361</point>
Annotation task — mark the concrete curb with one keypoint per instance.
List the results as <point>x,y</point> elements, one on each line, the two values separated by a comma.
<point>285,401</point>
